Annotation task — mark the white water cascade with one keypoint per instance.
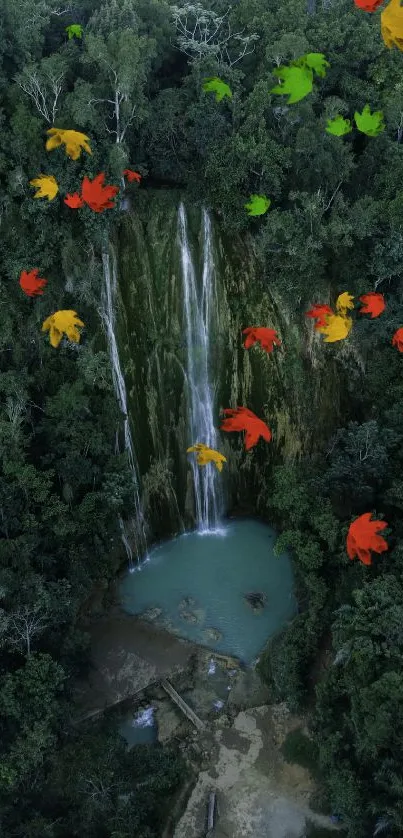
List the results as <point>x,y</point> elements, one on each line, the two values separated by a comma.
<point>198,320</point>
<point>107,314</point>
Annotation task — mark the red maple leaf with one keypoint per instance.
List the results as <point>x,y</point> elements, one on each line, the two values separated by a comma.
<point>320,314</point>
<point>74,201</point>
<point>362,538</point>
<point>132,175</point>
<point>373,304</point>
<point>397,339</point>
<point>242,419</point>
<point>31,284</point>
<point>96,195</point>
<point>368,5</point>
<point>260,334</point>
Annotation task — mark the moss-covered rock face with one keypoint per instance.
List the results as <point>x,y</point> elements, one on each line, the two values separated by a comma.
<point>295,388</point>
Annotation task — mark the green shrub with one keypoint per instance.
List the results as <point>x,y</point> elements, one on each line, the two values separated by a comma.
<point>297,747</point>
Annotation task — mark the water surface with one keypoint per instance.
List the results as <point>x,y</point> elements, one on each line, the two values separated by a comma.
<point>215,571</point>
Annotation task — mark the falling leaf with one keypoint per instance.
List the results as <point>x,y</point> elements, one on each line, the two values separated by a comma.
<point>260,334</point>
<point>320,313</point>
<point>397,339</point>
<point>373,304</point>
<point>132,175</point>
<point>46,185</point>
<point>242,419</point>
<point>96,195</point>
<point>344,302</point>
<point>338,126</point>
<point>258,205</point>
<point>74,201</point>
<point>337,327</point>
<point>63,321</point>
<point>315,61</point>
<point>362,538</point>
<point>75,29</point>
<point>206,455</point>
<point>74,141</point>
<point>392,25</point>
<point>298,82</point>
<point>217,86</point>
<point>31,284</point>
<point>368,5</point>
<point>369,123</point>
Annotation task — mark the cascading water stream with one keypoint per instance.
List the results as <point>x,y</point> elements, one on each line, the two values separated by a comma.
<point>107,314</point>
<point>198,311</point>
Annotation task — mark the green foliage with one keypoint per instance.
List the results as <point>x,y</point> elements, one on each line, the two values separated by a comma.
<point>298,748</point>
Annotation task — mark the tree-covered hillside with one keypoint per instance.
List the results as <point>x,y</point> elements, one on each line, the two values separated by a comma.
<point>133,83</point>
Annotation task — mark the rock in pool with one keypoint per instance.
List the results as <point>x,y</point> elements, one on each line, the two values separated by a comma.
<point>256,599</point>
<point>189,617</point>
<point>151,614</point>
<point>212,634</point>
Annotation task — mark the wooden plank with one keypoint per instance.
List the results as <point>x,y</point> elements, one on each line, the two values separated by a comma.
<point>191,715</point>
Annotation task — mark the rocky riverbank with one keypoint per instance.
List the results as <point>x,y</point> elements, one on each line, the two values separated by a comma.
<point>239,755</point>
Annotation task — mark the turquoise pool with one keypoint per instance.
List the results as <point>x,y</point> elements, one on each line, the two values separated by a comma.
<point>195,584</point>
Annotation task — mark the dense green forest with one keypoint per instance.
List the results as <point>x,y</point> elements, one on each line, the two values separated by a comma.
<point>133,82</point>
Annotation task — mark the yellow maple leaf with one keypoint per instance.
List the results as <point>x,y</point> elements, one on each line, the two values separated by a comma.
<point>392,25</point>
<point>62,321</point>
<point>46,185</point>
<point>338,327</point>
<point>74,141</point>
<point>206,455</point>
<point>344,301</point>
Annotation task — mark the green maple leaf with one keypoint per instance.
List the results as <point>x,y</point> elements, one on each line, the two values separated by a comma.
<point>258,205</point>
<point>338,126</point>
<point>315,61</point>
<point>218,87</point>
<point>74,29</point>
<point>298,82</point>
<point>369,123</point>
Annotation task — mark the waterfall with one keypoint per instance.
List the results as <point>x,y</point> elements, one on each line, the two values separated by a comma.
<point>107,314</point>
<point>197,311</point>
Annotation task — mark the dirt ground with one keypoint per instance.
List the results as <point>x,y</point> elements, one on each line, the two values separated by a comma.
<point>259,795</point>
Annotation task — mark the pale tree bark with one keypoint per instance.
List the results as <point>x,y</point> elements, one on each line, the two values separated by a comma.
<point>199,40</point>
<point>23,625</point>
<point>121,123</point>
<point>44,89</point>
<point>42,11</point>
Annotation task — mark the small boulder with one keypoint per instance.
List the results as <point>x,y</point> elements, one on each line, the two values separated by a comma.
<point>256,599</point>
<point>212,634</point>
<point>151,613</point>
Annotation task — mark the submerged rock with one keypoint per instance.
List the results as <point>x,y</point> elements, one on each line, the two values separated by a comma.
<point>257,600</point>
<point>212,634</point>
<point>151,613</point>
<point>189,617</point>
<point>187,602</point>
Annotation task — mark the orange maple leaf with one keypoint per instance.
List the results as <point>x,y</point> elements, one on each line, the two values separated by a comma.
<point>362,538</point>
<point>242,419</point>
<point>320,313</point>
<point>373,304</point>
<point>74,201</point>
<point>260,334</point>
<point>397,339</point>
<point>132,175</point>
<point>96,195</point>
<point>31,284</point>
